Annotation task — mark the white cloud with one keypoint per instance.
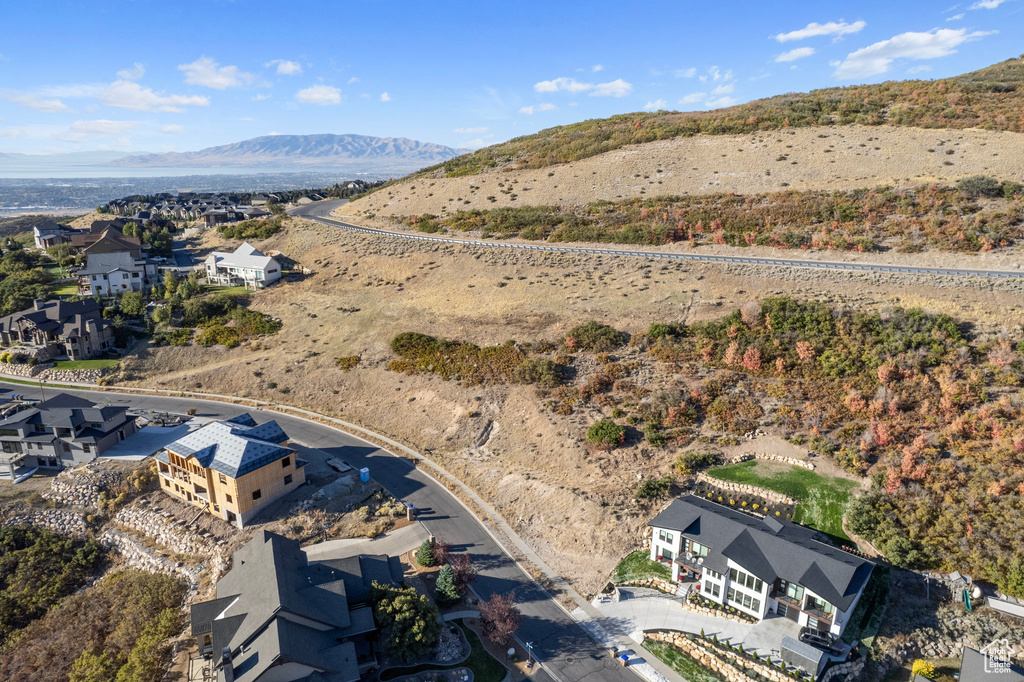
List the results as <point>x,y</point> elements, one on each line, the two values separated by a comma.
<point>260,97</point>
<point>986,4</point>
<point>724,89</point>
<point>129,95</point>
<point>319,94</point>
<point>567,84</point>
<point>878,58</point>
<point>172,129</point>
<point>85,131</point>
<point>133,74</point>
<point>794,54</point>
<point>920,68</point>
<point>471,131</point>
<point>832,28</point>
<point>615,88</point>
<point>353,79</point>
<point>956,17</point>
<point>721,102</point>
<point>543,106</point>
<point>685,73</point>
<point>209,74</point>
<point>476,143</point>
<point>597,67</point>
<point>285,67</point>
<point>47,106</point>
<point>693,98</point>
<point>655,105</point>
<point>385,97</point>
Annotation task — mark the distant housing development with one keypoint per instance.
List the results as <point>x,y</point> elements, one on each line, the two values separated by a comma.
<point>279,618</point>
<point>246,266</point>
<point>759,566</point>
<point>232,468</point>
<point>60,432</point>
<point>58,329</point>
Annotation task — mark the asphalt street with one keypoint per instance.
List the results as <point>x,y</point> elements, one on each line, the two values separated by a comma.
<point>567,652</point>
<point>320,211</point>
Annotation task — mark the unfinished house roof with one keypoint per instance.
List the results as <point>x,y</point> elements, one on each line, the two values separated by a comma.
<point>234,447</point>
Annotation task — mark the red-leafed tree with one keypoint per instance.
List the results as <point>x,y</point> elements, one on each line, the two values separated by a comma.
<point>500,618</point>
<point>465,571</point>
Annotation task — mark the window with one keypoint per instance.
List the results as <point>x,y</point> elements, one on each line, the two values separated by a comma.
<point>711,589</point>
<point>228,498</point>
<point>755,605</point>
<point>285,462</point>
<point>731,594</point>
<point>698,549</point>
<point>223,479</point>
<point>794,592</point>
<point>257,494</point>
<point>665,536</point>
<point>746,601</point>
<point>86,447</point>
<point>667,554</point>
<point>287,479</point>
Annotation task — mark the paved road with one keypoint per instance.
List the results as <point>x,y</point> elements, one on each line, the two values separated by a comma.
<point>321,210</point>
<point>567,652</point>
<point>182,257</point>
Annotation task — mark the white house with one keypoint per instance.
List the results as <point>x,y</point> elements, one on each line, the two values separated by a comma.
<point>114,273</point>
<point>759,566</point>
<point>247,267</point>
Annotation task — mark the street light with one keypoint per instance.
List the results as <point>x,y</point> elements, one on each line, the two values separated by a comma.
<point>529,655</point>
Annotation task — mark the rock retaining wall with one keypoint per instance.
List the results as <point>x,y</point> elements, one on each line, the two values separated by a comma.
<point>769,457</point>
<point>655,584</point>
<point>79,376</point>
<point>145,559</point>
<point>715,613</point>
<point>713,660</point>
<point>67,488</point>
<point>58,520</point>
<point>22,369</point>
<point>165,530</point>
<point>745,489</point>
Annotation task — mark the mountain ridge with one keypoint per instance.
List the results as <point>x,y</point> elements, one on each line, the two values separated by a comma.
<point>301,150</point>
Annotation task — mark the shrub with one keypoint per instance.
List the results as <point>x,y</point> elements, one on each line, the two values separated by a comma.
<point>347,362</point>
<point>540,371</point>
<point>980,186</point>
<point>606,434</point>
<point>690,462</point>
<point>407,621</point>
<point>924,669</point>
<point>595,337</point>
<point>654,488</point>
<point>654,436</point>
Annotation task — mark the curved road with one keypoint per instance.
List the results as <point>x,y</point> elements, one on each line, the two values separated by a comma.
<point>321,211</point>
<point>569,655</point>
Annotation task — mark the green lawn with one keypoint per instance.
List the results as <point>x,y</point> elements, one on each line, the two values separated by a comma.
<point>234,291</point>
<point>638,566</point>
<point>69,289</point>
<point>484,666</point>
<point>102,363</point>
<point>822,500</point>
<point>691,670</point>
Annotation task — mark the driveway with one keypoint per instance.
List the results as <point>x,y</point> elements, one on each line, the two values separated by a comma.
<point>640,609</point>
<point>394,543</point>
<point>145,442</point>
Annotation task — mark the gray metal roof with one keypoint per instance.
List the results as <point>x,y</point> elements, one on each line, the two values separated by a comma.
<point>978,667</point>
<point>232,447</point>
<point>768,548</point>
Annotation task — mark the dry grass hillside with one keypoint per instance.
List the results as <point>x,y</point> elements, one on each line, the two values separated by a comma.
<point>813,158</point>
<point>574,504</point>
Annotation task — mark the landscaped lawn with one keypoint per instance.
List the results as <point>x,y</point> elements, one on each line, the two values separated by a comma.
<point>69,289</point>
<point>484,666</point>
<point>822,500</point>
<point>234,291</point>
<point>102,363</point>
<point>638,566</point>
<point>690,669</point>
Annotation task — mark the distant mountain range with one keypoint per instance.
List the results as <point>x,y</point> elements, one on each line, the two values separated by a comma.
<point>304,152</point>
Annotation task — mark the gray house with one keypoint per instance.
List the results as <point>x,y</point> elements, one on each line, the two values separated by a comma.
<point>58,329</point>
<point>276,617</point>
<point>760,566</point>
<point>60,432</point>
<point>108,274</point>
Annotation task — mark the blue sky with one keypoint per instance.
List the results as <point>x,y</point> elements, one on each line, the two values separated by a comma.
<point>159,76</point>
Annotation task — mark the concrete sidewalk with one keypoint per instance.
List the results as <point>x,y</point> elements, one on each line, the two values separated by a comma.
<point>394,543</point>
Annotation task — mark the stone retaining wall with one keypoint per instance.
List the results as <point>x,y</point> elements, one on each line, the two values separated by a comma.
<point>80,376</point>
<point>58,520</point>
<point>769,457</point>
<point>716,613</point>
<point>67,489</point>
<point>142,558</point>
<point>167,531</point>
<point>745,489</point>
<point>655,584</point>
<point>22,369</point>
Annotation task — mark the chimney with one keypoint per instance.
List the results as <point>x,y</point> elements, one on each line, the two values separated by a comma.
<point>225,665</point>
<point>90,326</point>
<point>39,303</point>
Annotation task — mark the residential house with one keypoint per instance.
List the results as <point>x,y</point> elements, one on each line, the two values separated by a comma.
<point>49,233</point>
<point>760,566</point>
<point>60,432</point>
<point>246,267</point>
<point>112,240</point>
<point>58,329</point>
<point>276,617</point>
<point>990,664</point>
<point>232,469</point>
<point>108,274</point>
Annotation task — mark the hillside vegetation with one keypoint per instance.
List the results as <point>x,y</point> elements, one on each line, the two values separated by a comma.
<point>990,98</point>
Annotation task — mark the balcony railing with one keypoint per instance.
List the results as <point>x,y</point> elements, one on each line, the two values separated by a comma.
<point>786,599</point>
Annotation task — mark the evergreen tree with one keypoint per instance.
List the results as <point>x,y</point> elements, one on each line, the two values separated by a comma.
<point>445,590</point>
<point>425,554</point>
